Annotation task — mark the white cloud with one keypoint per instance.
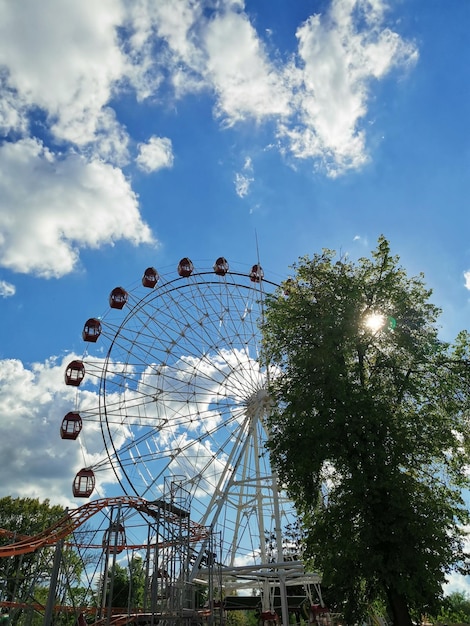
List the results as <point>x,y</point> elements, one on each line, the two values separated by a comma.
<point>6,289</point>
<point>185,416</point>
<point>361,240</point>
<point>171,25</point>
<point>174,21</point>
<point>244,179</point>
<point>467,279</point>
<point>64,64</point>
<point>155,155</point>
<point>247,84</point>
<point>336,63</point>
<point>63,57</point>
<point>318,99</point>
<point>62,204</point>
<point>35,461</point>
<point>13,111</point>
<point>242,184</point>
<point>457,583</point>
<point>111,140</point>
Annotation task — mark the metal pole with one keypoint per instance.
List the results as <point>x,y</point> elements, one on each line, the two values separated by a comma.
<point>53,584</point>
<point>113,524</point>
<point>280,552</point>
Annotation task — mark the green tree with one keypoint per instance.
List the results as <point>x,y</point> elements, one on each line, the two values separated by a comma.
<point>370,430</point>
<point>21,574</point>
<point>25,578</point>
<point>127,584</point>
<point>241,618</point>
<point>455,609</point>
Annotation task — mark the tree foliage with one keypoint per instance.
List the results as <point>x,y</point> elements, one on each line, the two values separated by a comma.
<point>127,585</point>
<point>25,517</point>
<point>370,430</point>
<point>25,578</point>
<point>455,609</point>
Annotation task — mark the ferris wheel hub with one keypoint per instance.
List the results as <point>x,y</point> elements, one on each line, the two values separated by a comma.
<point>259,403</point>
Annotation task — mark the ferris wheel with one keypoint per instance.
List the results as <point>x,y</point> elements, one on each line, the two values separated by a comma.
<point>183,401</point>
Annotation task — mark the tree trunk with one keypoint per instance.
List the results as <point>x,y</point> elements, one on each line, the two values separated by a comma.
<point>399,608</point>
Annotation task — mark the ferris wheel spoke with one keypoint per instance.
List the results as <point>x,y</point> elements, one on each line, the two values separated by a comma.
<point>155,454</point>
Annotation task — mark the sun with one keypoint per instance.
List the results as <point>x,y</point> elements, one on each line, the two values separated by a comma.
<point>374,321</point>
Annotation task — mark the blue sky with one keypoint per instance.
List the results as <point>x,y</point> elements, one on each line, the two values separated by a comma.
<point>134,133</point>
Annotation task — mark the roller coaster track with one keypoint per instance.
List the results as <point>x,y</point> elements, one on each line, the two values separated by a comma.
<point>118,617</point>
<point>76,517</point>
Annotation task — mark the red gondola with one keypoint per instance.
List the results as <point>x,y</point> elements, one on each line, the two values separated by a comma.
<point>74,373</point>
<point>319,614</point>
<point>269,617</point>
<point>221,266</point>
<point>185,267</point>
<point>114,539</point>
<point>92,330</point>
<point>150,277</point>
<point>71,426</point>
<point>118,298</point>
<point>256,274</point>
<point>84,483</point>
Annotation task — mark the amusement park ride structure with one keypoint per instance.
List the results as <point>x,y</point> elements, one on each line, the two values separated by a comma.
<point>182,406</point>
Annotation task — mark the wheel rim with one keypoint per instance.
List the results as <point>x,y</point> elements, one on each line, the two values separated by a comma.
<point>183,399</point>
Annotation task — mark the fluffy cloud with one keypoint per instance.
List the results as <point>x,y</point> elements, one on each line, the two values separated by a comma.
<point>36,462</point>
<point>64,65</point>
<point>337,60</point>
<point>467,279</point>
<point>64,58</point>
<point>244,179</point>
<point>164,45</point>
<point>247,84</point>
<point>155,155</point>
<point>13,111</point>
<point>62,204</point>
<point>339,52</point>
<point>6,289</point>
<point>318,99</point>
